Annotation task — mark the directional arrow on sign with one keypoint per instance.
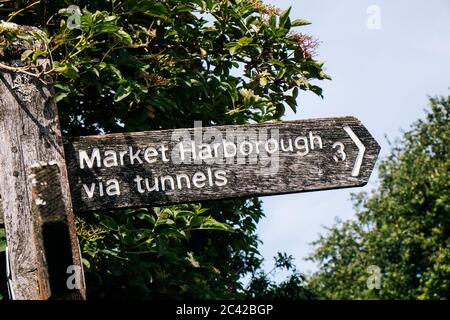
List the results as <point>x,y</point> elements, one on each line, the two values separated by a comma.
<point>188,165</point>
<point>361,151</point>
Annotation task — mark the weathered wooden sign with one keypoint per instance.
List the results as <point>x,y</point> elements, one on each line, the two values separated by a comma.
<point>185,165</point>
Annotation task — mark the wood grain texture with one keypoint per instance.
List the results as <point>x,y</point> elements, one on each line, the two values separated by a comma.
<point>52,235</point>
<point>29,133</point>
<point>40,182</point>
<point>316,170</point>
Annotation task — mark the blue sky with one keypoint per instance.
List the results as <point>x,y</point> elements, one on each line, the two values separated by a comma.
<point>381,76</point>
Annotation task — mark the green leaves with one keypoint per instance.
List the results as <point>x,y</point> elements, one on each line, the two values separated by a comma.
<point>285,21</point>
<point>98,22</point>
<point>144,53</point>
<point>300,23</point>
<point>124,37</point>
<point>150,8</point>
<point>122,93</point>
<point>245,41</point>
<point>67,70</point>
<point>235,46</point>
<point>401,227</point>
<point>191,219</point>
<point>207,223</point>
<point>2,240</point>
<point>157,9</point>
<point>110,224</point>
<point>64,90</point>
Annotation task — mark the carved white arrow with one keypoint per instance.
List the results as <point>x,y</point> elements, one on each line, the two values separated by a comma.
<point>361,151</point>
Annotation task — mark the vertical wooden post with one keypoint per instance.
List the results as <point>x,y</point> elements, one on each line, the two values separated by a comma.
<point>29,133</point>
<point>52,236</point>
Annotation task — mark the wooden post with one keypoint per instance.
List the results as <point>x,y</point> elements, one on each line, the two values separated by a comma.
<point>29,133</point>
<point>52,236</point>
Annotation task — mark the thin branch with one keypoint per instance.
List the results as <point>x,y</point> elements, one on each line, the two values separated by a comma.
<point>12,15</point>
<point>19,70</point>
<point>24,71</point>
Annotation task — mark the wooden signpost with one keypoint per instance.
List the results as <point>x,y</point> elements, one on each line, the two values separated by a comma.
<point>30,137</point>
<point>187,165</point>
<point>41,181</point>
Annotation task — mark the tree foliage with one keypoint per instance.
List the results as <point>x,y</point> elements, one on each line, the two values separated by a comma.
<point>403,227</point>
<point>295,287</point>
<point>133,65</point>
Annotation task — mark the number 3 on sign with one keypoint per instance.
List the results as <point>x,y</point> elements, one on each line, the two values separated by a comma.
<point>340,153</point>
